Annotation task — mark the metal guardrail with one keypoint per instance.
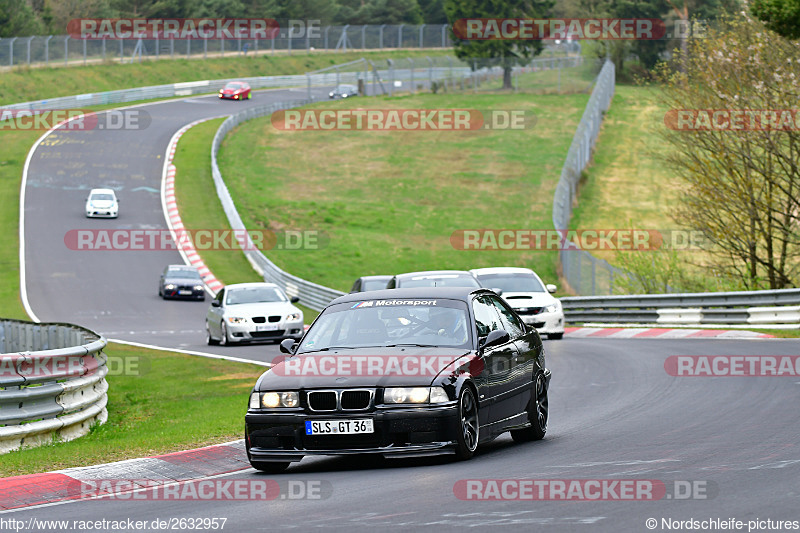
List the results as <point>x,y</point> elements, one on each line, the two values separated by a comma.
<point>583,272</point>
<point>52,382</point>
<point>743,307</point>
<point>313,295</point>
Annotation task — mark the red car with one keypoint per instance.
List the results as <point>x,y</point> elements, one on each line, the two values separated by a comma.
<point>236,90</point>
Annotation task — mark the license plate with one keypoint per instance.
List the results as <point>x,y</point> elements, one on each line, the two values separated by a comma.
<point>267,327</point>
<point>339,427</point>
<point>185,293</point>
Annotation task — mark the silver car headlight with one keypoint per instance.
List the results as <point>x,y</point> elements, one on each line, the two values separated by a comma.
<point>237,319</point>
<point>169,286</point>
<point>294,317</point>
<point>414,395</point>
<point>272,400</point>
<point>198,287</point>
<point>552,308</point>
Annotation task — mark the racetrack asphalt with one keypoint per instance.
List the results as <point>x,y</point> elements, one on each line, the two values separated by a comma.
<point>616,414</point>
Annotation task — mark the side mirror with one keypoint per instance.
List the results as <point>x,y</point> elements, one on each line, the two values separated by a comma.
<point>497,291</point>
<point>215,303</point>
<point>495,338</point>
<point>551,288</point>
<point>294,299</point>
<point>288,346</point>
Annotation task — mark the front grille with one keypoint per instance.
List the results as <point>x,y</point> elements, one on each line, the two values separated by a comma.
<point>322,400</point>
<point>275,318</point>
<point>356,399</point>
<point>259,319</point>
<point>529,310</point>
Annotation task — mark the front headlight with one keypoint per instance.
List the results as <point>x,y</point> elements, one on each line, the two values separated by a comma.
<point>271,400</point>
<point>414,395</point>
<point>198,287</point>
<point>236,319</point>
<point>552,308</point>
<point>294,316</point>
<point>169,286</point>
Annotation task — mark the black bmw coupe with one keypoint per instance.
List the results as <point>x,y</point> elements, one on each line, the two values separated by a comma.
<point>401,373</point>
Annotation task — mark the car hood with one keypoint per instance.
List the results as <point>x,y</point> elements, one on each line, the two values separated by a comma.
<point>528,299</point>
<point>405,366</point>
<point>183,281</point>
<point>260,309</point>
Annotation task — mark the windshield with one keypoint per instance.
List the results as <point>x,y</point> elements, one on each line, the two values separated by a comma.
<point>183,273</point>
<point>373,284</point>
<point>453,280</point>
<point>233,85</point>
<point>512,282</point>
<point>254,295</point>
<point>345,88</point>
<point>102,196</point>
<point>376,323</point>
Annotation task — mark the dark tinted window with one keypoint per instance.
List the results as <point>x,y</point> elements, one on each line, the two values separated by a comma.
<point>511,282</point>
<point>510,322</point>
<point>486,316</point>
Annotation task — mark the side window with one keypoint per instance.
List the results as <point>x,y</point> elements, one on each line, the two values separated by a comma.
<point>486,317</point>
<point>220,296</point>
<point>511,323</point>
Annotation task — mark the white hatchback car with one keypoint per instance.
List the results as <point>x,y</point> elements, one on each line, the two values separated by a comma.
<point>102,203</point>
<point>528,296</point>
<point>251,312</point>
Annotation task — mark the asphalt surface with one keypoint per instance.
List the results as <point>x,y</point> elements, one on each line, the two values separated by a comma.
<point>615,415</point>
<point>115,293</point>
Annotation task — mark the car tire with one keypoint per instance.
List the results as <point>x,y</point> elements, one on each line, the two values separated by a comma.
<point>555,336</point>
<point>269,468</point>
<point>538,414</point>
<point>209,339</point>
<point>469,427</point>
<point>223,335</point>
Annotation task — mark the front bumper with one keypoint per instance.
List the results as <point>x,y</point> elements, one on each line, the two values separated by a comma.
<point>249,331</point>
<point>546,323</point>
<point>101,213</point>
<point>399,432</point>
<point>181,293</point>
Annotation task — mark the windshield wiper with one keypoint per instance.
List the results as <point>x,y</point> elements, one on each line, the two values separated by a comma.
<point>411,344</point>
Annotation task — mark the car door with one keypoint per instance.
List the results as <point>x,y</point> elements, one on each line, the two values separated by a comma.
<point>498,361</point>
<point>521,371</point>
<point>214,316</point>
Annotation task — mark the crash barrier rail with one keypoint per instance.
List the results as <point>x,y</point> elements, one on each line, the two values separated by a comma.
<point>63,49</point>
<point>584,273</point>
<point>424,70</point>
<point>52,382</point>
<point>312,295</point>
<point>744,307</point>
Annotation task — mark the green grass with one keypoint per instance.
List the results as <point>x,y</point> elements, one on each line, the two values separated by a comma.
<point>389,201</point>
<point>177,402</point>
<point>26,84</point>
<point>200,207</point>
<point>626,185</point>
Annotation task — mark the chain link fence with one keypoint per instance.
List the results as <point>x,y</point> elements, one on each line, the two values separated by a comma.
<point>584,273</point>
<point>53,50</point>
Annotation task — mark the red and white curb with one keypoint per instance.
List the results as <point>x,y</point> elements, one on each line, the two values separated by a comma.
<point>62,485</point>
<point>170,206</point>
<point>662,333</point>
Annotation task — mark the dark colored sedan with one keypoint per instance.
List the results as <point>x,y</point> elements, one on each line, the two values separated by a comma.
<point>401,373</point>
<point>370,283</point>
<point>181,281</point>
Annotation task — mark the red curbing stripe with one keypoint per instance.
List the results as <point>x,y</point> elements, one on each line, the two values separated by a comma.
<point>35,489</point>
<point>605,332</point>
<point>653,332</point>
<point>707,333</point>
